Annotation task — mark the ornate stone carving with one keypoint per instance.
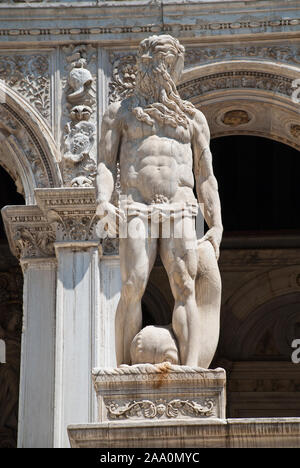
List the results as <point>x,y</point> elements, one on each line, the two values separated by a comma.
<point>272,52</point>
<point>160,408</point>
<point>13,124</point>
<point>72,226</point>
<point>79,152</point>
<point>71,212</point>
<point>30,76</point>
<point>123,76</point>
<point>161,391</point>
<point>34,243</point>
<point>28,231</point>
<point>234,118</point>
<point>295,130</point>
<point>236,80</point>
<point>197,23</point>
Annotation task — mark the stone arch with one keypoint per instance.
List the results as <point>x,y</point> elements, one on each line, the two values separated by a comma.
<point>247,314</point>
<point>28,151</point>
<point>246,97</point>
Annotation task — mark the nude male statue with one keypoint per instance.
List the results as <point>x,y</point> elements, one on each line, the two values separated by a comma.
<point>162,145</point>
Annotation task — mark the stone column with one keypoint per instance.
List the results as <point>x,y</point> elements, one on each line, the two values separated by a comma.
<point>31,240</point>
<point>82,318</point>
<point>110,289</point>
<point>76,334</point>
<point>70,298</point>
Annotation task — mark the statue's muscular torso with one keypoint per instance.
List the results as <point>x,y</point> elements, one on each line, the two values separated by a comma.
<point>155,161</point>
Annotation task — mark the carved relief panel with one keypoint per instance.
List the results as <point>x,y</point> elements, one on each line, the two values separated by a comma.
<point>79,116</point>
<point>30,75</point>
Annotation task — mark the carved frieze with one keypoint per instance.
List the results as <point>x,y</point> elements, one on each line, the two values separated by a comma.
<point>278,53</point>
<point>161,408</point>
<point>236,80</point>
<point>79,149</point>
<point>29,75</point>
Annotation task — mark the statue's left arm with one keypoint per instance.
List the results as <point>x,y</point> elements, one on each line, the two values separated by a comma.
<point>206,183</point>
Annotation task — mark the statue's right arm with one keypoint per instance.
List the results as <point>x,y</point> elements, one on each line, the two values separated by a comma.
<point>108,152</point>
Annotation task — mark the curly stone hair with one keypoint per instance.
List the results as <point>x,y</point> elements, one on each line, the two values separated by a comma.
<point>155,83</point>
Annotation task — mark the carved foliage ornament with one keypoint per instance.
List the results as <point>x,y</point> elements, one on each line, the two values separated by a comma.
<point>34,243</point>
<point>74,226</point>
<point>123,76</point>
<point>30,76</point>
<point>11,124</point>
<point>160,408</point>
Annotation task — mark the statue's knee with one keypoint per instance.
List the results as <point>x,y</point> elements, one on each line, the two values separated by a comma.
<point>184,286</point>
<point>133,288</point>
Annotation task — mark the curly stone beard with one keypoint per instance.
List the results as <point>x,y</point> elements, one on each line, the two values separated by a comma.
<point>166,106</point>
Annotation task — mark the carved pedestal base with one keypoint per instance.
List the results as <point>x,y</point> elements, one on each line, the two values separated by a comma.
<point>134,401</point>
<point>147,392</point>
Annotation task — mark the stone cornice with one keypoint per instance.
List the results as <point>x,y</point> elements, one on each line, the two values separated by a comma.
<point>130,21</point>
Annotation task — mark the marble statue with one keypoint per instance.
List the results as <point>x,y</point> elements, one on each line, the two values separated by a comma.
<point>161,143</point>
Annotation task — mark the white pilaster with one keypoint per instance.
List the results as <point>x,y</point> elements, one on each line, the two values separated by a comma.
<point>110,289</point>
<point>36,400</point>
<point>76,331</point>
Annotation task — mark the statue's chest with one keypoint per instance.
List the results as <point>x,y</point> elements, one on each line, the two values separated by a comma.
<point>137,130</point>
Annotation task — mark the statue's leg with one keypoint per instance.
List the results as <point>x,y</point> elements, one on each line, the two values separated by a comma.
<point>179,256</point>
<point>208,298</point>
<point>137,256</point>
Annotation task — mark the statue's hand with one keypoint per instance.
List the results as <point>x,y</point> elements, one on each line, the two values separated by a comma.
<point>214,236</point>
<point>110,218</point>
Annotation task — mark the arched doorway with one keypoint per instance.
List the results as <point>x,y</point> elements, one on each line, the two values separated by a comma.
<point>259,192</point>
<point>29,159</point>
<point>11,300</point>
<point>258,184</point>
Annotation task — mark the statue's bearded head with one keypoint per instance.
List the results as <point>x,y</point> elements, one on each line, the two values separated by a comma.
<point>160,64</point>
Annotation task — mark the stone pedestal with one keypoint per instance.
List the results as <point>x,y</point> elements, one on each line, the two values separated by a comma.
<point>161,392</point>
<point>164,406</point>
<point>152,403</point>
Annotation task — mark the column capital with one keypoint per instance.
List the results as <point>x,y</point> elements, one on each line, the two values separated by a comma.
<point>71,212</point>
<point>29,234</point>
